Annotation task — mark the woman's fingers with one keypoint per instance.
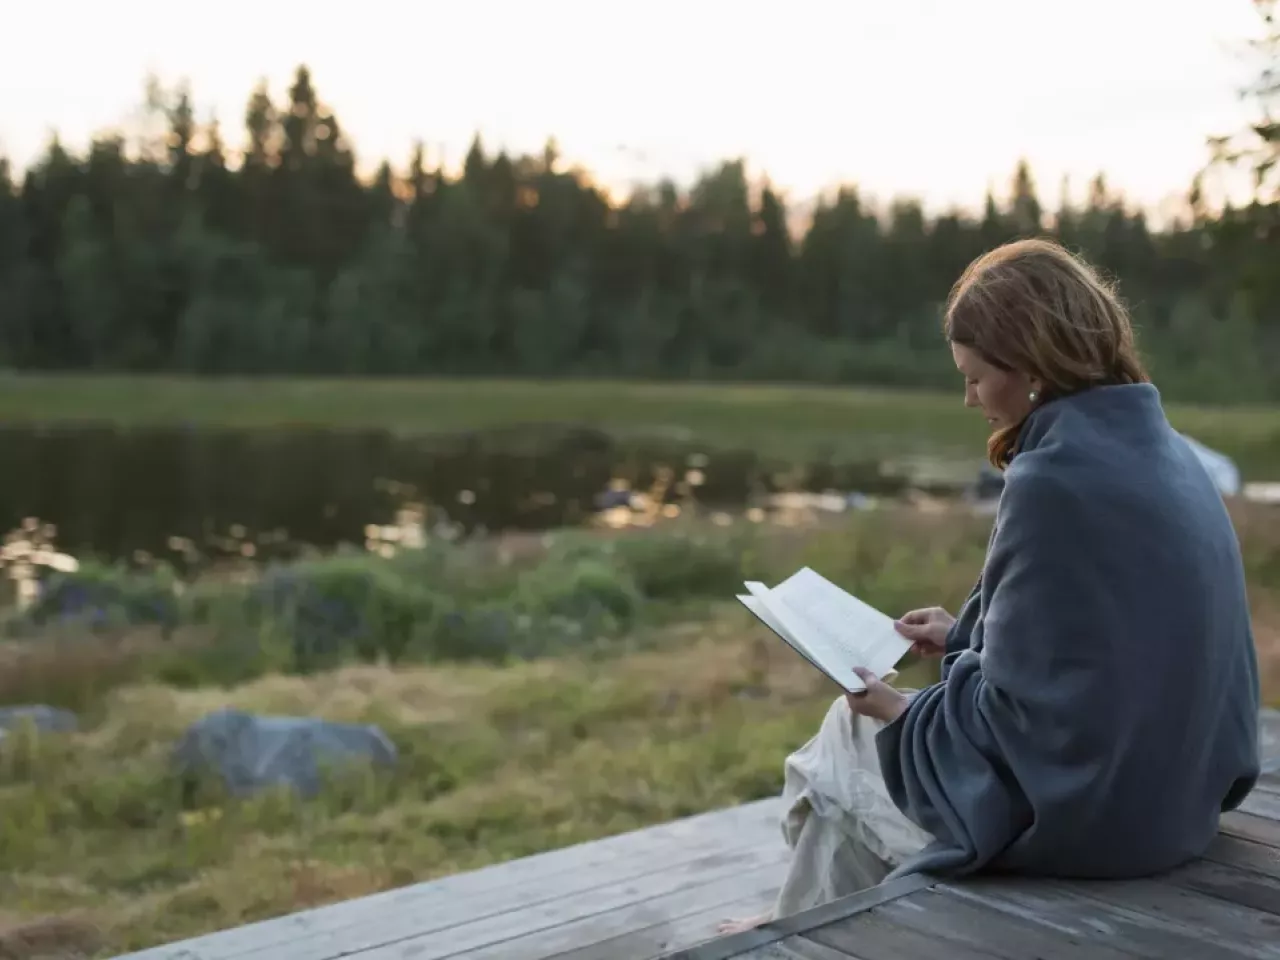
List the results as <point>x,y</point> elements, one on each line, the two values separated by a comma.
<point>908,629</point>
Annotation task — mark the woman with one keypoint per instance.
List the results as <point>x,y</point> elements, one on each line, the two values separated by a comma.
<point>1099,699</point>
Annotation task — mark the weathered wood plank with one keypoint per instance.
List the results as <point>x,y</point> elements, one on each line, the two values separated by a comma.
<point>1245,855</point>
<point>1261,804</point>
<point>870,936</point>
<point>690,930</point>
<point>1247,826</point>
<point>801,923</point>
<point>1130,917</point>
<point>1243,887</point>
<point>1269,783</point>
<point>796,948</point>
<point>400,938</point>
<point>495,888</point>
<point>1269,739</point>
<point>582,938</point>
<point>1161,900</point>
<point>1002,934</point>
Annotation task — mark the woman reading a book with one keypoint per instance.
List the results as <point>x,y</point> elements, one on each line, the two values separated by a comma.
<point>1099,700</point>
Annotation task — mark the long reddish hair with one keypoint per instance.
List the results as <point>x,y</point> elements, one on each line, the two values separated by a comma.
<point>1033,307</point>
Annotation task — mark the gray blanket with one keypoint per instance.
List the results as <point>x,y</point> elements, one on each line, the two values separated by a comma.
<point>1099,702</point>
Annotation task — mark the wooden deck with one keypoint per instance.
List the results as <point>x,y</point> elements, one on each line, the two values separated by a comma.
<point>639,894</point>
<point>660,892</point>
<point>1223,906</point>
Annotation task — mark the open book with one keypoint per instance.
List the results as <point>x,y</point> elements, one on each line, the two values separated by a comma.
<point>828,627</point>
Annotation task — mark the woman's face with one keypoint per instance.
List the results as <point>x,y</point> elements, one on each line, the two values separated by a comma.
<point>1004,396</point>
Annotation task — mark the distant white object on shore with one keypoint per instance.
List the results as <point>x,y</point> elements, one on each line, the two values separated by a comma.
<point>1222,469</point>
<point>1263,492</point>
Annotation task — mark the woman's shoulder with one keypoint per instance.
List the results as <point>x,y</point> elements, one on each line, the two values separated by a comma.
<point>1036,496</point>
<point>1042,475</point>
<point>1115,475</point>
<point>1065,485</point>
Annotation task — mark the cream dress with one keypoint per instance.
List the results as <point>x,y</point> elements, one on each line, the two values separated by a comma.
<point>843,829</point>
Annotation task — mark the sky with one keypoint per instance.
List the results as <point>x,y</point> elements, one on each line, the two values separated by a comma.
<point>926,98</point>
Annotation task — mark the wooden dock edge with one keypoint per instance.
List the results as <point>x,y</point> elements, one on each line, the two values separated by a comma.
<point>735,944</point>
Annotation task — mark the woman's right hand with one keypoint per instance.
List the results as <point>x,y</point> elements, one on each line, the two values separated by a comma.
<point>926,629</point>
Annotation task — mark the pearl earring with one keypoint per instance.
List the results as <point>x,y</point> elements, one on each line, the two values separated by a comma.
<point>1033,396</point>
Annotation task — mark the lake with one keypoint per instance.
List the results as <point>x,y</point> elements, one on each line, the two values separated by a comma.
<point>190,495</point>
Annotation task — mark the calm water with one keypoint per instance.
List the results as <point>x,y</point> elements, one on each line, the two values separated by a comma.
<point>189,494</point>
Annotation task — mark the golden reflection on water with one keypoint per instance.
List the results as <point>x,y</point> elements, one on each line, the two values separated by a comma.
<point>407,531</point>
<point>27,551</point>
<point>673,493</point>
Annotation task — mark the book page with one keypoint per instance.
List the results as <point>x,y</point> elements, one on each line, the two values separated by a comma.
<point>761,609</point>
<point>864,636</point>
<point>776,616</point>
<point>808,635</point>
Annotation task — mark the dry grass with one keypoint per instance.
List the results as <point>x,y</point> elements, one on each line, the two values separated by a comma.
<point>48,938</point>
<point>523,758</point>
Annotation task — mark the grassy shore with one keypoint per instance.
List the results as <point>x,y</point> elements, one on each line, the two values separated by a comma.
<point>787,422</point>
<point>673,703</point>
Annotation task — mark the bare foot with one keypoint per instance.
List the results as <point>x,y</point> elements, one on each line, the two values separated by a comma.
<point>740,926</point>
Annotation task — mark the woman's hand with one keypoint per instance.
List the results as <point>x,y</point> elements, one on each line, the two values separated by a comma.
<point>880,701</point>
<point>927,630</point>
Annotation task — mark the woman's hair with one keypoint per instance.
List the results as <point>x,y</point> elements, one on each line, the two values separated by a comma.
<point>1033,307</point>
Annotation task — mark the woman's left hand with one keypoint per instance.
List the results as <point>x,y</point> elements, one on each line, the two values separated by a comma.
<point>880,701</point>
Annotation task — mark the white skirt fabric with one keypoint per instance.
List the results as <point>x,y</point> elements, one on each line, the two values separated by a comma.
<point>843,829</point>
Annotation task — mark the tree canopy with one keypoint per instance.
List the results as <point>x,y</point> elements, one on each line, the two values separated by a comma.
<point>180,253</point>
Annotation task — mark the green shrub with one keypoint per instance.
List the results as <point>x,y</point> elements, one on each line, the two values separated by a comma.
<point>585,589</point>
<point>98,596</point>
<point>342,607</point>
<point>670,567</point>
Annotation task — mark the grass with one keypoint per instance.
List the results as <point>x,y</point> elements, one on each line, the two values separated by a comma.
<point>784,422</point>
<point>686,706</point>
<point>496,763</point>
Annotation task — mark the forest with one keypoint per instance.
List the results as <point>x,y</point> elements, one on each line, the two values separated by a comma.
<point>192,249</point>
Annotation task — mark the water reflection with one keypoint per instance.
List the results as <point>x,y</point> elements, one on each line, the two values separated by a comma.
<point>187,495</point>
<point>27,552</point>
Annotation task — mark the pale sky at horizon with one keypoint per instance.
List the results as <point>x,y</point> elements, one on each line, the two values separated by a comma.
<point>902,97</point>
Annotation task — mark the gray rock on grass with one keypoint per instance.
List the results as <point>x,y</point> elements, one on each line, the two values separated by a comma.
<point>41,718</point>
<point>249,753</point>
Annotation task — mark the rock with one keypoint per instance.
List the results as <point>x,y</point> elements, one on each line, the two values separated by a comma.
<point>42,718</point>
<point>249,753</point>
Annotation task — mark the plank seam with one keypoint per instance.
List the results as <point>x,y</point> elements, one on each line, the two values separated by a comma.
<point>388,941</point>
<point>762,869</point>
<point>762,889</point>
<point>403,897</point>
<point>736,944</point>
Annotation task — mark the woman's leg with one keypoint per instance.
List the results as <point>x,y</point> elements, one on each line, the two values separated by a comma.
<point>844,831</point>
<point>826,863</point>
